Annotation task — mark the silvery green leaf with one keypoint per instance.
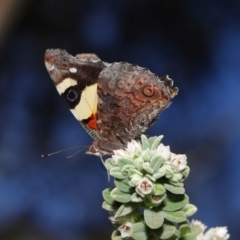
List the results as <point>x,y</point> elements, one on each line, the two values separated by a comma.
<point>150,178</point>
<point>116,172</point>
<point>108,164</point>
<point>118,175</point>
<point>175,217</point>
<point>153,218</point>
<point>145,143</point>
<point>176,184</point>
<point>159,189</point>
<point>107,197</point>
<point>190,236</point>
<point>139,192</point>
<point>132,184</point>
<point>197,229</point>
<point>173,189</point>
<point>115,169</point>
<point>139,166</point>
<point>176,177</point>
<point>148,202</point>
<point>116,235</point>
<point>161,172</point>
<point>147,168</point>
<point>184,229</point>
<point>168,233</point>
<point>169,173</point>
<point>135,179</point>
<point>124,161</point>
<point>146,155</point>
<point>126,168</point>
<point>175,236</point>
<point>120,196</point>
<point>156,162</point>
<point>109,207</point>
<point>174,202</point>
<point>136,198</point>
<point>126,180</point>
<point>139,231</point>
<point>155,142</point>
<point>138,162</point>
<point>132,172</point>
<point>167,230</point>
<point>122,186</point>
<point>125,209</point>
<point>186,172</point>
<point>189,210</point>
<point>151,140</point>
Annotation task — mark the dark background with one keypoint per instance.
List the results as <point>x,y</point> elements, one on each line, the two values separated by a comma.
<point>196,42</point>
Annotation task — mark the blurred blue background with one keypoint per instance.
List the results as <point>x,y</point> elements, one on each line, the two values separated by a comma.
<point>196,42</point>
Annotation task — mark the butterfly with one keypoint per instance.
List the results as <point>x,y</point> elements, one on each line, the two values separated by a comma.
<point>114,102</point>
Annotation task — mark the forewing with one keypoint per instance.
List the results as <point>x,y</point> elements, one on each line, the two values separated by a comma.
<point>76,79</point>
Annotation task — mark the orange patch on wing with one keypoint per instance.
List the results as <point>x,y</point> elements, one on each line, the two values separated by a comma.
<point>92,122</point>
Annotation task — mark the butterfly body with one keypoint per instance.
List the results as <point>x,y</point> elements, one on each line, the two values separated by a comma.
<point>114,103</point>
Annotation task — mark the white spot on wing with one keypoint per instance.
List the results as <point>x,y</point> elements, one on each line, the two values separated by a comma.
<point>73,70</point>
<point>51,68</point>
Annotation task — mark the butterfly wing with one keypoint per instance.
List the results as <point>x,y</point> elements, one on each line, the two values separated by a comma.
<point>130,99</point>
<point>76,79</point>
<point>113,102</point>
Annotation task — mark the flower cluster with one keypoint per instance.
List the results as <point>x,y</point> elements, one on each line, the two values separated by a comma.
<point>149,200</point>
<point>217,233</point>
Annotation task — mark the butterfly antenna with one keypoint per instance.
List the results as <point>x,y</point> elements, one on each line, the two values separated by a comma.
<point>64,150</point>
<point>76,152</point>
